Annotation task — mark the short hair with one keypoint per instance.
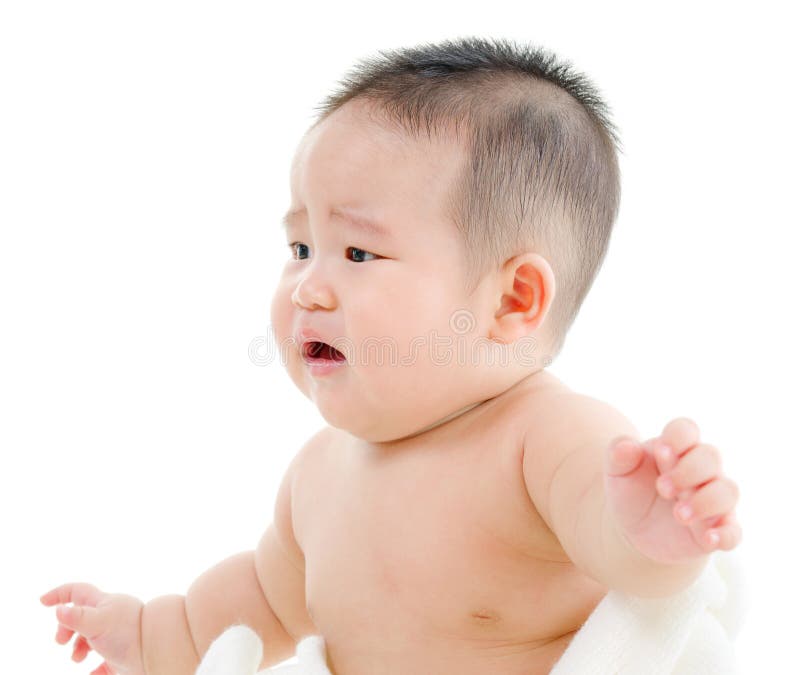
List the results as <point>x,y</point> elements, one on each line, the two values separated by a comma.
<point>540,170</point>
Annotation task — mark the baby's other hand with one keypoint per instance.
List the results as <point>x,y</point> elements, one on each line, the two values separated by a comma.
<point>649,486</point>
<point>107,623</point>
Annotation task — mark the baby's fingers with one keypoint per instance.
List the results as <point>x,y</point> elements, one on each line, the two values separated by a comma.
<point>623,456</point>
<point>83,620</point>
<point>713,499</point>
<point>80,594</point>
<point>80,649</point>
<point>698,466</point>
<point>729,533</point>
<point>63,634</point>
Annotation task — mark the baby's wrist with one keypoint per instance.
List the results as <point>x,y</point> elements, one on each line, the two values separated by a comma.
<point>630,571</point>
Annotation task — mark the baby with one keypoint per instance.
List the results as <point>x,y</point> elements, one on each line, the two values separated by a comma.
<point>464,511</point>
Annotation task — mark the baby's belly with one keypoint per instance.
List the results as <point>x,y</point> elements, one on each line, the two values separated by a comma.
<point>441,659</point>
<point>485,626</point>
<point>435,595</point>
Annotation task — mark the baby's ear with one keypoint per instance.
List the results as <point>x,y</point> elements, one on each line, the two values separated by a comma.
<point>527,286</point>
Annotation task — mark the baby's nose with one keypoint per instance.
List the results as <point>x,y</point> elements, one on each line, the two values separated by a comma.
<point>313,293</point>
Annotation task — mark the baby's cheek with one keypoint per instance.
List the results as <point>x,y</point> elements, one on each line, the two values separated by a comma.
<point>281,313</point>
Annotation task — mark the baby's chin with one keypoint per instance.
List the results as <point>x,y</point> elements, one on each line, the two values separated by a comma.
<point>382,405</point>
<point>374,426</point>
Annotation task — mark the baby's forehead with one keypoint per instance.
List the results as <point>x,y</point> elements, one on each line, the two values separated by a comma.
<point>350,159</point>
<point>356,131</point>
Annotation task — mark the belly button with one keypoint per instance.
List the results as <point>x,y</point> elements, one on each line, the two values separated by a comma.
<point>485,617</point>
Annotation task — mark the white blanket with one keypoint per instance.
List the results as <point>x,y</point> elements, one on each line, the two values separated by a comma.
<point>690,633</point>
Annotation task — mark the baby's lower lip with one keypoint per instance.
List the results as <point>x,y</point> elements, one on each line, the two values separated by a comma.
<point>320,365</point>
<point>323,366</point>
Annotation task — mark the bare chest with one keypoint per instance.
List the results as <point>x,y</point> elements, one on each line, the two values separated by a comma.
<point>437,546</point>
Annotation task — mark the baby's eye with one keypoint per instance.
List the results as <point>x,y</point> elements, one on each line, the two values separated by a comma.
<point>295,254</point>
<point>359,253</point>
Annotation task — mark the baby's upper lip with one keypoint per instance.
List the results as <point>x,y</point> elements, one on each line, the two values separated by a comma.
<point>306,335</point>
<point>309,335</point>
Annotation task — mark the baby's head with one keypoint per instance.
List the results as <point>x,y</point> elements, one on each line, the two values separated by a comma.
<point>451,207</point>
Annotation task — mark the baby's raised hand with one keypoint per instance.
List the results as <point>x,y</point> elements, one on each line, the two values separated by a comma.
<point>109,624</point>
<point>650,485</point>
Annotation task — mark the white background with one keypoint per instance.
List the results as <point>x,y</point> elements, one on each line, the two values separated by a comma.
<point>144,155</point>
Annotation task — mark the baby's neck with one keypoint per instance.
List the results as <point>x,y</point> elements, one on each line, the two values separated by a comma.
<point>451,416</point>
<point>537,378</point>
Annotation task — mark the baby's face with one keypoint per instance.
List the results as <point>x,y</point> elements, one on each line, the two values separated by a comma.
<point>389,300</point>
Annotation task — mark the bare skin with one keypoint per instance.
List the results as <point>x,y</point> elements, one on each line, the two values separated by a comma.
<point>430,556</point>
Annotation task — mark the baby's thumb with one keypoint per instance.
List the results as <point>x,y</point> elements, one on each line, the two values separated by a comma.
<point>624,455</point>
<point>81,619</point>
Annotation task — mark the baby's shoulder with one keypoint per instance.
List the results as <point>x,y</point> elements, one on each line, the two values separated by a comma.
<point>548,411</point>
<point>565,417</point>
<point>317,448</point>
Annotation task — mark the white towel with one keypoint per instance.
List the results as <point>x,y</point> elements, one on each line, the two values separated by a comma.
<point>690,633</point>
<point>239,650</point>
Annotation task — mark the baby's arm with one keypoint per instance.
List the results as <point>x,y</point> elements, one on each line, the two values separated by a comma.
<point>596,510</point>
<point>177,631</point>
<point>170,634</point>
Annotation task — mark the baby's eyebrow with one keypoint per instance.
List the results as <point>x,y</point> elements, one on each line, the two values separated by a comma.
<point>351,218</point>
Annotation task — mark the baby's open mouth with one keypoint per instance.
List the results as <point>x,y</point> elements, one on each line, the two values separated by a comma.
<point>321,351</point>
